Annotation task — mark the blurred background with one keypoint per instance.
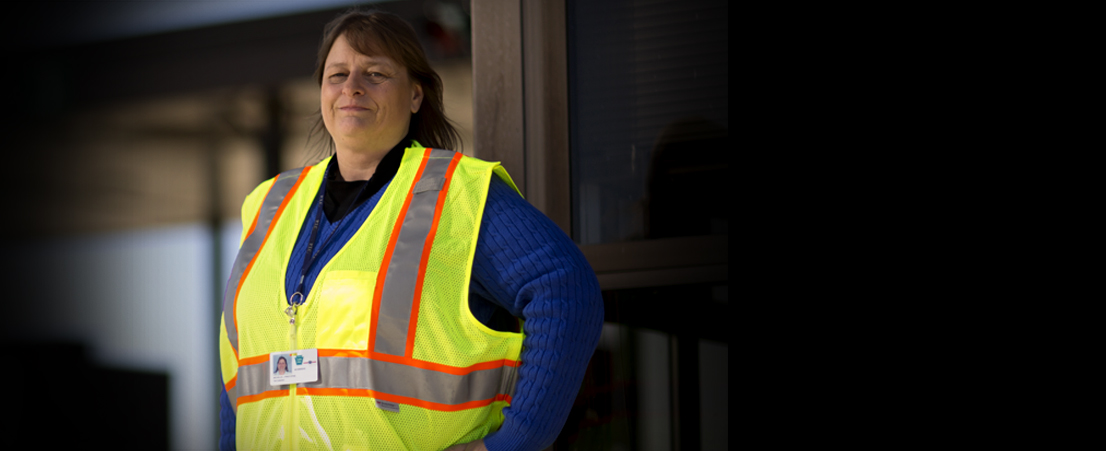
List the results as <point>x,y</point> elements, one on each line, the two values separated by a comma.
<point>134,130</point>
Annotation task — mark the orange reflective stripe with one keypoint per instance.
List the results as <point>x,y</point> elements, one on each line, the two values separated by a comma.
<point>237,289</point>
<point>269,232</point>
<point>381,277</point>
<point>253,258</point>
<point>232,382</point>
<point>408,384</point>
<point>263,358</point>
<point>263,395</point>
<point>342,353</point>
<point>410,350</point>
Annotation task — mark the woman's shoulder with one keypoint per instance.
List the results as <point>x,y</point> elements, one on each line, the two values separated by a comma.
<point>259,191</point>
<point>253,200</point>
<point>507,213</point>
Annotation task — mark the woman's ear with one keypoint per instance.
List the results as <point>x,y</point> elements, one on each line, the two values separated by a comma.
<point>416,97</point>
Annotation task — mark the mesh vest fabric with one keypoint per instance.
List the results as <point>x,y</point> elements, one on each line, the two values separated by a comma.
<point>336,319</point>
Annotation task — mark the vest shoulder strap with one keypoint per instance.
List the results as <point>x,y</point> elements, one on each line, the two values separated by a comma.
<point>252,204</point>
<point>254,232</point>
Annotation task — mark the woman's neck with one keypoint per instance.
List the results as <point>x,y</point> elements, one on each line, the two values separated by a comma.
<point>356,166</point>
<point>353,166</point>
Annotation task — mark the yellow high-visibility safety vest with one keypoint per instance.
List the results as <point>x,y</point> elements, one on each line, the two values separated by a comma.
<point>403,364</point>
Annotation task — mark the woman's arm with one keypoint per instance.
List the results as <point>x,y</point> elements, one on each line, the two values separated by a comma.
<point>226,422</point>
<point>525,264</point>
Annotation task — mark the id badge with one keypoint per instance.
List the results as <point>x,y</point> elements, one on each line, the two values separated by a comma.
<point>294,367</point>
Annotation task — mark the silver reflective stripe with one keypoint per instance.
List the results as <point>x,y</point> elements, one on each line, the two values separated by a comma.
<point>280,188</point>
<point>429,184</point>
<point>507,384</point>
<point>392,378</point>
<point>232,395</point>
<point>398,295</point>
<point>253,380</point>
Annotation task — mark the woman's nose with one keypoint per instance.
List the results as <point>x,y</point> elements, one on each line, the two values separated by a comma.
<point>353,87</point>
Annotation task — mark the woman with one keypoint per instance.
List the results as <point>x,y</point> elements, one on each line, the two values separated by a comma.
<point>408,268</point>
<point>281,366</point>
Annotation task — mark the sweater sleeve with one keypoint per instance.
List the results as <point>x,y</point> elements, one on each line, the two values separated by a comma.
<point>525,264</point>
<point>226,422</point>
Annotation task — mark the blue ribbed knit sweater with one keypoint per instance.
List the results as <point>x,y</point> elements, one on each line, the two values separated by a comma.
<point>525,265</point>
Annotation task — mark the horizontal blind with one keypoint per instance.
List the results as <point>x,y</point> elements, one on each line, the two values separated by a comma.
<point>641,73</point>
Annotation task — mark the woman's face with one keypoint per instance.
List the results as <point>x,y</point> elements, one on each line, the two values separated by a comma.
<point>367,101</point>
<point>282,366</point>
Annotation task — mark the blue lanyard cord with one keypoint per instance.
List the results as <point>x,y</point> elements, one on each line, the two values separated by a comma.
<point>310,257</point>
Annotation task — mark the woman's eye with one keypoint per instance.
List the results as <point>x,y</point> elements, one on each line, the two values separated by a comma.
<point>337,77</point>
<point>376,77</point>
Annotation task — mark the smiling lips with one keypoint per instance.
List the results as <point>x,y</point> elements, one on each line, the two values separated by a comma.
<point>353,108</point>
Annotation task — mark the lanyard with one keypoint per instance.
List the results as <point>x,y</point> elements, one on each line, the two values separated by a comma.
<point>310,257</point>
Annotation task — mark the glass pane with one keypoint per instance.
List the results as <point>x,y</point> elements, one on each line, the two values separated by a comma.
<point>625,400</point>
<point>659,378</point>
<point>649,119</point>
